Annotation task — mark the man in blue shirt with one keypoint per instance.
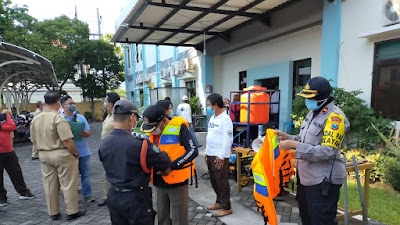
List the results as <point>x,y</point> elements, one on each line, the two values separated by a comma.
<point>70,114</point>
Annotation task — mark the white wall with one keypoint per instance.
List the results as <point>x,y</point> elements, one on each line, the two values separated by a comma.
<point>356,54</point>
<point>300,45</point>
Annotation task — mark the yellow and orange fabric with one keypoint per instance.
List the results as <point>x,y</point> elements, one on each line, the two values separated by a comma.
<point>272,169</point>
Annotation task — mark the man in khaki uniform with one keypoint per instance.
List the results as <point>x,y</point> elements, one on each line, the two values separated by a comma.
<point>52,138</point>
<point>39,109</point>
<point>108,125</point>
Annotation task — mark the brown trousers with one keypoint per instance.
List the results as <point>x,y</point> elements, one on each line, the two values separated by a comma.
<point>60,168</point>
<point>219,181</point>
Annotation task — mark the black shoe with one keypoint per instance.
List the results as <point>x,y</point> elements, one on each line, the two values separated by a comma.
<point>3,202</point>
<point>199,146</point>
<point>76,215</point>
<point>27,196</point>
<point>102,202</point>
<point>55,217</point>
<point>35,158</point>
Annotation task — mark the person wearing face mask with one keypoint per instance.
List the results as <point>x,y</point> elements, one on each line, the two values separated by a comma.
<point>320,169</point>
<point>128,161</point>
<point>52,137</point>
<point>108,125</point>
<point>218,151</point>
<point>174,138</point>
<point>70,114</point>
<point>167,106</point>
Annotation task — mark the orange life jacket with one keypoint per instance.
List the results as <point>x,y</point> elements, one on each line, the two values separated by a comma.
<point>271,168</point>
<point>169,143</point>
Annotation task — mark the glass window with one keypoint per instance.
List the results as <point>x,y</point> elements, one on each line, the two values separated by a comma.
<point>386,90</point>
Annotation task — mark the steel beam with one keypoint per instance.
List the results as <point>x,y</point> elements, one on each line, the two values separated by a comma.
<point>201,9</point>
<point>166,18</point>
<point>172,30</point>
<point>196,19</point>
<point>244,9</point>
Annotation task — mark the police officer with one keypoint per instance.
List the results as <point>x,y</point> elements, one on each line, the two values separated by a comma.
<point>52,137</point>
<point>320,170</point>
<point>127,161</point>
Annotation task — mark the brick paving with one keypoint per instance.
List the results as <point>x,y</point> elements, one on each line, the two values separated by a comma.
<point>35,211</point>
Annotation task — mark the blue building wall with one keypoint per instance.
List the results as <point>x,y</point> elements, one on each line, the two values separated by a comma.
<point>154,58</point>
<point>331,27</point>
<point>284,71</point>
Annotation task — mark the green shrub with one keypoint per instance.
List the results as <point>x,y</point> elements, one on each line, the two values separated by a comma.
<point>361,135</point>
<point>391,171</point>
<point>392,143</point>
<point>375,158</point>
<point>195,105</point>
<point>88,116</point>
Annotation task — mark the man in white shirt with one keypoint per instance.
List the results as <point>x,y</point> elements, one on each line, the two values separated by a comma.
<point>185,111</point>
<point>218,150</point>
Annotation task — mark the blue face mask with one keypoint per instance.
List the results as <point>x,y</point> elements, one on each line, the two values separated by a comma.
<point>209,110</point>
<point>312,104</point>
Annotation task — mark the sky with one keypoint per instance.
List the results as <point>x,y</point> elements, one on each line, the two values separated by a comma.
<point>49,9</point>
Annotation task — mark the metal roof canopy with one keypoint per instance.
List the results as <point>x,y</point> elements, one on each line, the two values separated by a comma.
<point>19,64</point>
<point>190,22</point>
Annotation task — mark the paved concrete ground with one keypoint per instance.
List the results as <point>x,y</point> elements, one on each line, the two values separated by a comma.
<point>35,211</point>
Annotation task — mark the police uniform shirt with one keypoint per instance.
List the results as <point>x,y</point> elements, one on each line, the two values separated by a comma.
<point>319,141</point>
<point>120,154</point>
<point>49,130</point>
<point>108,125</point>
<point>186,140</point>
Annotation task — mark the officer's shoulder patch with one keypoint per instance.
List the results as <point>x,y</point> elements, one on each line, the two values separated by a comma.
<point>334,130</point>
<point>325,110</point>
<point>156,149</point>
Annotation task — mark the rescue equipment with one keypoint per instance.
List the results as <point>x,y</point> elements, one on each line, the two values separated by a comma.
<point>272,169</point>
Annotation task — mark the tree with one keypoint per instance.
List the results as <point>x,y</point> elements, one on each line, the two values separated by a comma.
<point>106,71</point>
<point>15,24</point>
<point>64,42</point>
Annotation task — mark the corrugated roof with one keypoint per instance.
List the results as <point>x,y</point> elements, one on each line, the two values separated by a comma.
<point>17,63</point>
<point>189,22</point>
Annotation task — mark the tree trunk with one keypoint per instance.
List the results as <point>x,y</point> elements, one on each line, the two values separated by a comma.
<point>92,102</point>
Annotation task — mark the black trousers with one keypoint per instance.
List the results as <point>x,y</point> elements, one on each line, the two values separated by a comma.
<point>219,181</point>
<point>9,162</point>
<point>316,209</point>
<point>131,207</point>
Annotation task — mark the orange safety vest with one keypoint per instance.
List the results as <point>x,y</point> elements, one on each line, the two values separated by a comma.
<point>271,168</point>
<point>169,143</point>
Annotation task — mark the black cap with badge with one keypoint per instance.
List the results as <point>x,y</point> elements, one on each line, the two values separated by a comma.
<point>152,116</point>
<point>125,107</point>
<point>317,88</point>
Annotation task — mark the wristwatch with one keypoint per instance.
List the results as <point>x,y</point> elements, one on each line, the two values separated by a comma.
<point>76,155</point>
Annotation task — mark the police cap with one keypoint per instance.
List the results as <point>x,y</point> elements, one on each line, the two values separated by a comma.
<point>317,88</point>
<point>125,107</point>
<point>151,117</point>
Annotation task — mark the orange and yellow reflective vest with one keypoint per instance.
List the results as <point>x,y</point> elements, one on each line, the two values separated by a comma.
<point>169,143</point>
<point>271,168</point>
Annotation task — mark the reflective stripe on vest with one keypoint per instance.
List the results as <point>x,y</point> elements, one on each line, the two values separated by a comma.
<point>169,143</point>
<point>260,184</point>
